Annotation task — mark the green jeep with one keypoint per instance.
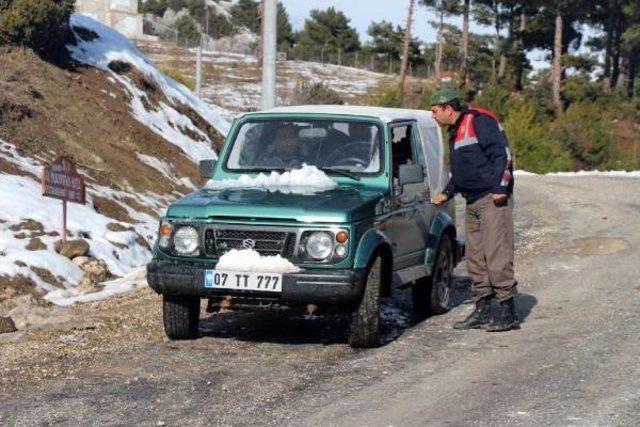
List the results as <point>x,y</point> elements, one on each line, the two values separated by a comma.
<point>350,243</point>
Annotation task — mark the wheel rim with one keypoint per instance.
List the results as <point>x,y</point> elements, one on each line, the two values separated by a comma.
<point>443,279</point>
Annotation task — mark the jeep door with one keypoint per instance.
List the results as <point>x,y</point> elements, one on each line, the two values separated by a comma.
<point>406,228</point>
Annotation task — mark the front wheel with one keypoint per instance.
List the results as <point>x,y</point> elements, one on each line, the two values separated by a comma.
<point>365,319</point>
<point>181,315</point>
<point>432,294</point>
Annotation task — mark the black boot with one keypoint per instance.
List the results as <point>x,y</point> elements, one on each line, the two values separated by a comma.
<point>480,317</point>
<point>506,319</point>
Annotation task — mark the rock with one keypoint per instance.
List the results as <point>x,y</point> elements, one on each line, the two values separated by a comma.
<point>72,248</point>
<point>35,244</point>
<point>81,260</point>
<point>7,325</point>
<point>96,270</point>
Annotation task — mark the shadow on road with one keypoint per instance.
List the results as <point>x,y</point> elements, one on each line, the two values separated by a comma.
<point>285,326</point>
<point>524,305</point>
<point>293,326</point>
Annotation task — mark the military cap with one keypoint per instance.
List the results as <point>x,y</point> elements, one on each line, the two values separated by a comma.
<point>443,96</point>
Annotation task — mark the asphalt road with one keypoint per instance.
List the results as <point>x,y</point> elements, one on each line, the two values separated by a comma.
<point>576,360</point>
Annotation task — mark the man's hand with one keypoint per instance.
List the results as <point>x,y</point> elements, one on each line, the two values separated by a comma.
<point>499,199</point>
<point>440,199</point>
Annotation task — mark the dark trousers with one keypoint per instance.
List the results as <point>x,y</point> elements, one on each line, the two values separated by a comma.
<point>489,248</point>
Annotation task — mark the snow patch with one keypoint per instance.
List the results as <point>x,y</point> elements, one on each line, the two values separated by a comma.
<point>306,180</point>
<point>22,200</point>
<point>248,260</point>
<point>165,169</point>
<point>611,174</point>
<point>136,279</point>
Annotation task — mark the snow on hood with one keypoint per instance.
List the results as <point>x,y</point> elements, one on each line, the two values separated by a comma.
<point>22,200</point>
<point>306,180</point>
<point>249,260</point>
<point>110,46</point>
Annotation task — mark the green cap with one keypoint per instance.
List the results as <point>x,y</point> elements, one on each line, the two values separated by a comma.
<point>443,96</point>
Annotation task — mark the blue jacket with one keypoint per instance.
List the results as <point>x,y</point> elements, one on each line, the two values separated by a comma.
<point>480,158</point>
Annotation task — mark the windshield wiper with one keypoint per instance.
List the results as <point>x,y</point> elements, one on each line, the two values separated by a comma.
<point>341,172</point>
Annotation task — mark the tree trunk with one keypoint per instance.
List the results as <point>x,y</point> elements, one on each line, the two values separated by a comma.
<point>465,44</point>
<point>438,63</point>
<point>632,71</point>
<point>502,68</point>
<point>556,70</point>
<point>624,72</point>
<point>608,28</point>
<point>405,49</point>
<point>520,54</point>
<point>616,45</point>
<point>497,56</point>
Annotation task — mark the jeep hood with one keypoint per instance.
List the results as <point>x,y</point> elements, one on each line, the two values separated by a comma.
<point>339,205</point>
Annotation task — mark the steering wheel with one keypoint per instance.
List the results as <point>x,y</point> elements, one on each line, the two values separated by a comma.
<point>334,158</point>
<point>350,161</point>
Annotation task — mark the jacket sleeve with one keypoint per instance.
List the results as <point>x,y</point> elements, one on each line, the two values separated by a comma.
<point>494,145</point>
<point>450,189</point>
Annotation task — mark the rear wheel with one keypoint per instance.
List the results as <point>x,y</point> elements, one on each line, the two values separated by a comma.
<point>181,315</point>
<point>432,294</point>
<point>365,319</point>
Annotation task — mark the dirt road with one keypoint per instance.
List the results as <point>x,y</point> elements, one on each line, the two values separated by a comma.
<point>576,360</point>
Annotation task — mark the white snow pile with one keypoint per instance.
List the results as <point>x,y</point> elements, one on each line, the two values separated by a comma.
<point>611,174</point>
<point>249,260</point>
<point>22,201</point>
<point>136,279</point>
<point>306,180</point>
<point>167,122</point>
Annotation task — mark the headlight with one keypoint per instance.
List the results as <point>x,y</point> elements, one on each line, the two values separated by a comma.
<point>185,240</point>
<point>319,245</point>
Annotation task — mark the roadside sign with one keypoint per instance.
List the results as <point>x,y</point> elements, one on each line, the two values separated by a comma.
<point>61,180</point>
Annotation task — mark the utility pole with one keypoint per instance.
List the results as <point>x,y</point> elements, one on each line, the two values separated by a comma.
<point>269,41</point>
<point>405,49</point>
<point>199,68</point>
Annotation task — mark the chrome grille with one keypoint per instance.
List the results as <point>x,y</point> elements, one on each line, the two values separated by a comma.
<point>217,242</point>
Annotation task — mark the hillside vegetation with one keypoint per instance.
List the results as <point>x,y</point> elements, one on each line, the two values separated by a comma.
<point>136,136</point>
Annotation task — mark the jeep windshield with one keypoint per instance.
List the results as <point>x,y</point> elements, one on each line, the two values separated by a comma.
<point>349,148</point>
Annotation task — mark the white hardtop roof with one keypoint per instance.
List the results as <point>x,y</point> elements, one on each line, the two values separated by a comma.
<point>385,114</point>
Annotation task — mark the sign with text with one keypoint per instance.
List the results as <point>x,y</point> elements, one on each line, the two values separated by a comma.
<point>61,180</point>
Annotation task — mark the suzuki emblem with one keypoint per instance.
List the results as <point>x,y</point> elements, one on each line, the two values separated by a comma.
<point>248,243</point>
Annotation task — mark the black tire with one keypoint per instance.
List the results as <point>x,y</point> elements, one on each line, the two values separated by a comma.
<point>365,319</point>
<point>432,295</point>
<point>181,315</point>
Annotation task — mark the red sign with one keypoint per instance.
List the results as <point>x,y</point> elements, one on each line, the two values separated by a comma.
<point>61,180</point>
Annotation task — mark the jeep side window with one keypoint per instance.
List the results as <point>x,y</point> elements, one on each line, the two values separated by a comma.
<point>401,150</point>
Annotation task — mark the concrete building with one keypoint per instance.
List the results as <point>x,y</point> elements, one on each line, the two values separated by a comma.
<point>121,15</point>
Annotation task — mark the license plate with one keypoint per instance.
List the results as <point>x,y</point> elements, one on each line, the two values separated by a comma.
<point>218,279</point>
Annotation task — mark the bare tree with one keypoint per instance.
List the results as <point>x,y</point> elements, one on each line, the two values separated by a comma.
<point>556,67</point>
<point>465,43</point>
<point>405,49</point>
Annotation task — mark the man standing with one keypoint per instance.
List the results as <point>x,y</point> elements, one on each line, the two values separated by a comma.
<point>481,171</point>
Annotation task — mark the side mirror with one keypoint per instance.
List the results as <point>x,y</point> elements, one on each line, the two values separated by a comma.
<point>206,168</point>
<point>410,174</point>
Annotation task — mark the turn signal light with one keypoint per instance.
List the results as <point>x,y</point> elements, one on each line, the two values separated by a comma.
<point>342,237</point>
<point>165,229</point>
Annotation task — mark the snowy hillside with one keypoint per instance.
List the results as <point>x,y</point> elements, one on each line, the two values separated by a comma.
<point>136,136</point>
<point>110,48</point>
<point>232,80</point>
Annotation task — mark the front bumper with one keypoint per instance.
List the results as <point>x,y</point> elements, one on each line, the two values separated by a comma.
<point>307,286</point>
